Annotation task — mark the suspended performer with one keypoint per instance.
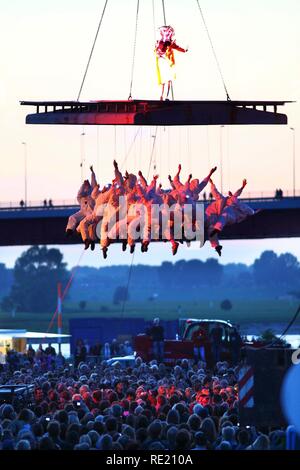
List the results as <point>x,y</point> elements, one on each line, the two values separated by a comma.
<point>234,211</point>
<point>225,211</point>
<point>165,58</point>
<point>85,201</point>
<point>212,214</point>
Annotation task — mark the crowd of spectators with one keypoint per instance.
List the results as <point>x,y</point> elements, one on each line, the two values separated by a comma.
<point>114,349</point>
<point>146,406</point>
<point>44,358</point>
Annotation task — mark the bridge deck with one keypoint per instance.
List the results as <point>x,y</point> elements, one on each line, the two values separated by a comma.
<point>46,226</point>
<point>156,113</point>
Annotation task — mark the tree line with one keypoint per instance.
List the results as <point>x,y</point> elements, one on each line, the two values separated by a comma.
<point>31,286</point>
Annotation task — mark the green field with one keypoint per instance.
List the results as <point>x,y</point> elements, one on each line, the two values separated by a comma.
<point>245,312</point>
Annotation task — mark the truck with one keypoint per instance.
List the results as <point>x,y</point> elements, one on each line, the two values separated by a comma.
<point>184,346</point>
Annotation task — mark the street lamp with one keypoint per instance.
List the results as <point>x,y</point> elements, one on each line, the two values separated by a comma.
<point>82,152</point>
<point>221,158</point>
<point>25,172</point>
<point>294,160</point>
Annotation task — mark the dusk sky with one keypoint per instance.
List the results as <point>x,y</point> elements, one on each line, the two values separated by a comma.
<point>45,47</point>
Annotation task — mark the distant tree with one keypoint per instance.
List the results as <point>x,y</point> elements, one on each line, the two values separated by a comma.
<point>120,295</point>
<point>268,336</point>
<point>82,305</point>
<point>7,304</point>
<point>226,305</point>
<point>212,271</point>
<point>166,273</point>
<point>36,274</point>
<point>6,277</point>
<point>295,294</point>
<point>104,309</point>
<point>271,269</point>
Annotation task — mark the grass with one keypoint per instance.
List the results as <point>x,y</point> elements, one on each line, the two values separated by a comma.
<point>243,312</point>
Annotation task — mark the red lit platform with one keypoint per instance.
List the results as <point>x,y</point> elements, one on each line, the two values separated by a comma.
<point>156,113</point>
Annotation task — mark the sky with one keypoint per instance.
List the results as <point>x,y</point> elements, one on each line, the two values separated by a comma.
<point>46,47</point>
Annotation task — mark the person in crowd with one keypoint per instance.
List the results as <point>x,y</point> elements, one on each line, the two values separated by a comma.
<point>30,353</point>
<point>106,351</point>
<point>216,337</point>
<point>50,351</point>
<point>156,332</point>
<point>96,349</point>
<point>128,348</point>
<point>235,342</point>
<point>199,338</point>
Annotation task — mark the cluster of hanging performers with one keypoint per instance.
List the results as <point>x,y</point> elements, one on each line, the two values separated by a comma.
<point>123,211</point>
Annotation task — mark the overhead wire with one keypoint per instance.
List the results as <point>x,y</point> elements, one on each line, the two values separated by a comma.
<point>130,148</point>
<point>134,49</point>
<point>92,50</point>
<point>164,11</point>
<point>214,51</point>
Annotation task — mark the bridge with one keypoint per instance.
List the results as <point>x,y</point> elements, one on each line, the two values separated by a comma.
<point>40,225</point>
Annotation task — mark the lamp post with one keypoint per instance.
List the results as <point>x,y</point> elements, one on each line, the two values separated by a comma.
<point>82,152</point>
<point>221,158</point>
<point>294,160</point>
<point>25,172</point>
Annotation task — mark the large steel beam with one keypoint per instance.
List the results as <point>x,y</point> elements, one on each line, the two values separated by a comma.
<point>156,113</point>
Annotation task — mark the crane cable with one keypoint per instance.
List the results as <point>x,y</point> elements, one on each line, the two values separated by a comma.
<point>92,50</point>
<point>164,11</point>
<point>165,23</point>
<point>213,50</point>
<point>152,152</point>
<point>134,48</point>
<point>153,20</point>
<point>130,148</point>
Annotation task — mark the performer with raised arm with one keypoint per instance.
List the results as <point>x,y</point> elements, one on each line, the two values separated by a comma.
<point>85,201</point>
<point>165,58</point>
<point>234,211</point>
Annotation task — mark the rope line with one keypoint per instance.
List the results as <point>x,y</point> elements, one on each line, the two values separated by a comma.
<point>66,290</point>
<point>154,22</point>
<point>214,52</point>
<point>130,148</point>
<point>164,12</point>
<point>152,152</point>
<point>134,48</point>
<point>92,50</point>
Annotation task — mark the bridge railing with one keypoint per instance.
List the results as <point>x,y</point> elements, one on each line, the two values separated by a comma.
<point>65,203</point>
<point>39,204</point>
